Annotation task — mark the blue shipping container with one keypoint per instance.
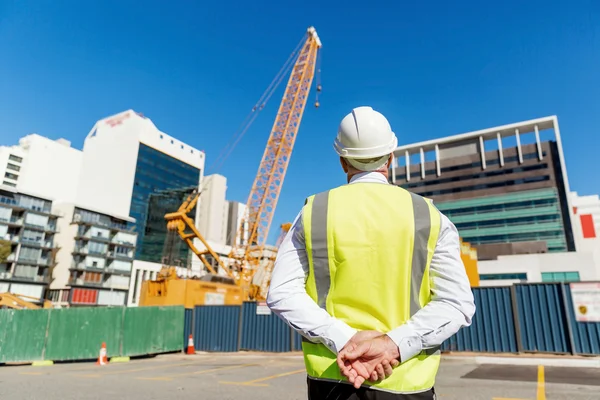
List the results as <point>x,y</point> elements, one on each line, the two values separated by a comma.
<point>187,327</point>
<point>492,329</point>
<point>217,328</point>
<point>586,335</point>
<point>542,318</point>
<point>264,332</point>
<point>297,341</point>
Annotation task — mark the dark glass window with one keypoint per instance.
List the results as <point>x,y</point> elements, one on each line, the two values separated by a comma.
<point>486,277</point>
<point>156,172</point>
<point>484,186</point>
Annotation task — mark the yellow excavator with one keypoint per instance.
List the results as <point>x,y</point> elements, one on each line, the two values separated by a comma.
<point>17,302</point>
<point>212,288</point>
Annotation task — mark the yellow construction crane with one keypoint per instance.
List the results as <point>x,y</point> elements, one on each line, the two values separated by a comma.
<point>249,253</point>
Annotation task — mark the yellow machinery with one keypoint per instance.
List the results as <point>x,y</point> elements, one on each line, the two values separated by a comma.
<point>17,302</point>
<point>250,255</point>
<point>169,289</point>
<point>468,254</point>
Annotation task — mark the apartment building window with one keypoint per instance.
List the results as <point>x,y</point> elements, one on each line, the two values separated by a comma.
<point>11,176</point>
<point>92,277</point>
<point>5,214</point>
<point>9,184</point>
<point>29,254</point>
<point>32,236</point>
<point>13,167</point>
<point>35,204</point>
<point>36,220</point>
<point>15,158</point>
<point>98,248</point>
<point>26,271</point>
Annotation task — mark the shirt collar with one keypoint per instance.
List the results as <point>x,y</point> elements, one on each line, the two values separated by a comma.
<point>372,177</point>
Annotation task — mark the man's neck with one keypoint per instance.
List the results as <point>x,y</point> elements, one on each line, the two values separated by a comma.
<point>355,174</point>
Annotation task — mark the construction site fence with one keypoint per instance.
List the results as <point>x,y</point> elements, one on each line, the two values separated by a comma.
<point>78,333</point>
<point>523,318</point>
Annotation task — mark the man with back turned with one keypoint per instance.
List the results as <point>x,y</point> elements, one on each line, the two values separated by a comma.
<point>371,276</point>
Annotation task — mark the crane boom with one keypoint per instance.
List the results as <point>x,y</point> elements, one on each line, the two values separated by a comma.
<point>249,252</point>
<point>264,194</point>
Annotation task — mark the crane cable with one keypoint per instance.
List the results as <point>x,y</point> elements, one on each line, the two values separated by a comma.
<point>259,106</point>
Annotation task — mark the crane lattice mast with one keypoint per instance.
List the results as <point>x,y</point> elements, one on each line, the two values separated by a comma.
<point>264,194</point>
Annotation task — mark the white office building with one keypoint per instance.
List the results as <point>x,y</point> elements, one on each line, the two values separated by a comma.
<point>116,180</point>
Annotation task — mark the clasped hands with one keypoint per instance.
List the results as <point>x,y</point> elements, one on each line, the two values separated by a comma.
<point>369,355</point>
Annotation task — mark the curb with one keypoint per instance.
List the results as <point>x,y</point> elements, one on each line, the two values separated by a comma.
<point>44,363</point>
<point>119,360</point>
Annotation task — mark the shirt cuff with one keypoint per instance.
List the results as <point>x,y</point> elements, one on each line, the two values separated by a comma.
<point>340,334</point>
<point>408,342</point>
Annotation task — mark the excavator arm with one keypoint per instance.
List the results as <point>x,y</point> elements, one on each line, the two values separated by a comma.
<point>179,221</point>
<point>17,302</point>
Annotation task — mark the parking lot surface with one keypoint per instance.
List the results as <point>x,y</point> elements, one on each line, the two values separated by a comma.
<point>251,376</point>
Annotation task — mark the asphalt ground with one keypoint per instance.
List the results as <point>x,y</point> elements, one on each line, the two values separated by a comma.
<point>279,377</point>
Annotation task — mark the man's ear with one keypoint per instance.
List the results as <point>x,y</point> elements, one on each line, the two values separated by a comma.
<point>344,164</point>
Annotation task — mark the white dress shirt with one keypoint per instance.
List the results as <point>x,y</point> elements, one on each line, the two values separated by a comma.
<point>451,306</point>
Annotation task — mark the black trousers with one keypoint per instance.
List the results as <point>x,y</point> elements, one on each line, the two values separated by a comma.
<point>323,390</point>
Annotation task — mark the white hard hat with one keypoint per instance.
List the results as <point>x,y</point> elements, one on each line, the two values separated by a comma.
<point>365,138</point>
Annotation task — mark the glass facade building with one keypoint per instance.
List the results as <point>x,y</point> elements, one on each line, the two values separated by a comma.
<point>159,204</point>
<point>503,199</point>
<point>533,215</point>
<point>156,172</point>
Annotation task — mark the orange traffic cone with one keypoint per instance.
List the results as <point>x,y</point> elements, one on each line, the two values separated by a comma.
<point>190,348</point>
<point>102,359</point>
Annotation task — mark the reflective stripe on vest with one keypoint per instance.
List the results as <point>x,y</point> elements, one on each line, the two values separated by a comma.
<point>346,231</point>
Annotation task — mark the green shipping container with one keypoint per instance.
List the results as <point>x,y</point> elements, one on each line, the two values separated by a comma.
<point>22,335</point>
<point>78,333</point>
<point>152,330</point>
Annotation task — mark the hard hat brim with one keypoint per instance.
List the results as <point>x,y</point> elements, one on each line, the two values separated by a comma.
<point>365,153</point>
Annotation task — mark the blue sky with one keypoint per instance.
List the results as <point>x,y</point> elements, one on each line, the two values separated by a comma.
<point>196,68</point>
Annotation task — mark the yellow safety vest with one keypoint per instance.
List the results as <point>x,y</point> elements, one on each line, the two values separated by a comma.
<point>369,247</point>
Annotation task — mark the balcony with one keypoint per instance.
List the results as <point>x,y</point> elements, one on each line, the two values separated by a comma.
<point>99,239</point>
<point>82,266</point>
<point>36,278</point>
<point>47,244</point>
<point>44,262</point>
<point>6,275</point>
<point>12,238</point>
<point>14,221</point>
<point>121,242</point>
<point>114,271</point>
<point>104,223</point>
<point>25,204</point>
<point>120,256</point>
<point>88,236</point>
<point>80,250</point>
<point>97,253</point>
<point>83,282</point>
<point>51,228</point>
